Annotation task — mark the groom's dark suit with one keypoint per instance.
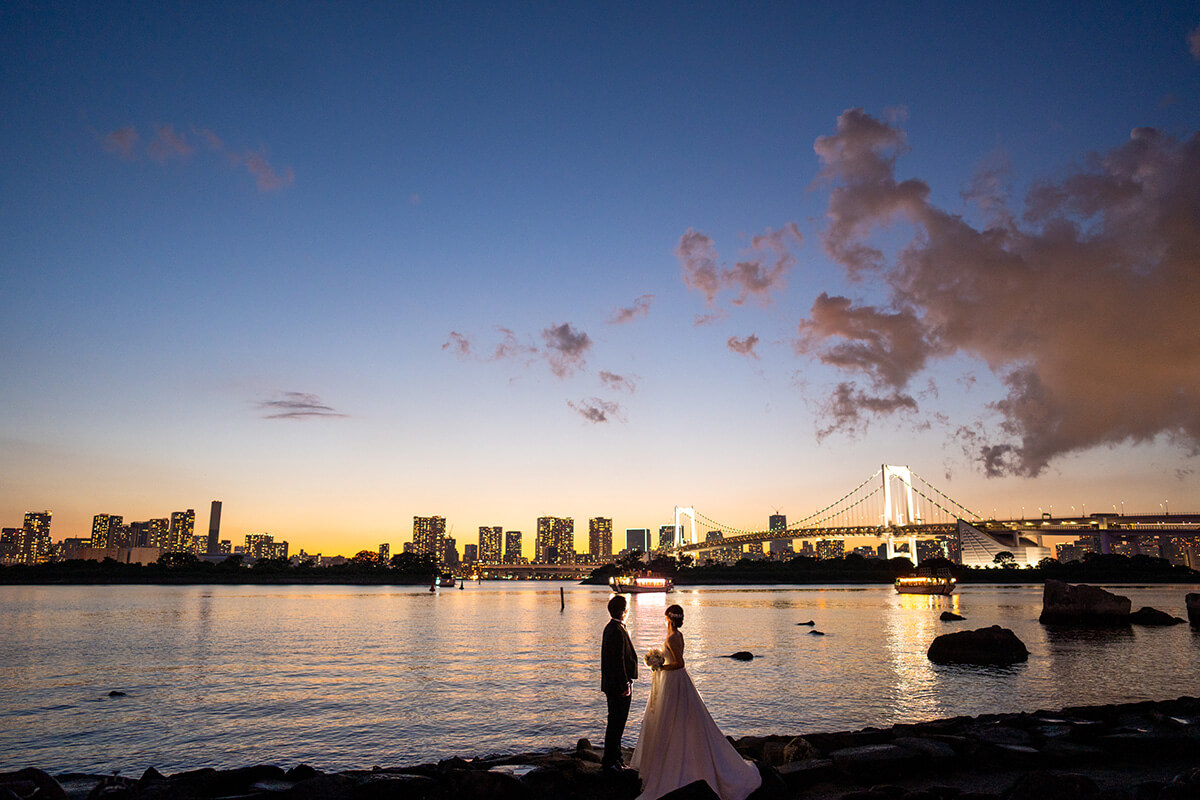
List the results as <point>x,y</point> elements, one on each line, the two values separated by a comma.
<point>618,668</point>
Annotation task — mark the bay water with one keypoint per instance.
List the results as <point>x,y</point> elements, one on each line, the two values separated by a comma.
<point>347,677</point>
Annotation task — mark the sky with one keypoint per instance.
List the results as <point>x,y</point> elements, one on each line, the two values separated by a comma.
<point>343,266</point>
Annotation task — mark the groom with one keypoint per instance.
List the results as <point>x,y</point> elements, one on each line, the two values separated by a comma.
<point>618,668</point>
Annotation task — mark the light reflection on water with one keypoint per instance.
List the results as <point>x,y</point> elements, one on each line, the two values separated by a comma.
<point>349,677</point>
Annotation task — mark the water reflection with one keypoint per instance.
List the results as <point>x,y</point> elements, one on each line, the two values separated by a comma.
<point>349,677</point>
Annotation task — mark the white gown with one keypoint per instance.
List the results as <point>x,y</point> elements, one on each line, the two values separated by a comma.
<point>679,743</point>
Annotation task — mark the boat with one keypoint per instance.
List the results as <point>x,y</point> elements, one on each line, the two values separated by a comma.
<point>634,584</point>
<point>941,582</point>
<point>447,580</point>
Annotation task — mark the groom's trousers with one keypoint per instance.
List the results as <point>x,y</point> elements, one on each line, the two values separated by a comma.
<point>618,715</point>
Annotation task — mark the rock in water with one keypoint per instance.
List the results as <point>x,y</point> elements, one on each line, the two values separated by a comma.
<point>1064,604</point>
<point>1152,616</point>
<point>994,645</point>
<point>1193,608</point>
<point>810,622</point>
<point>742,655</point>
<point>950,616</point>
<point>815,633</point>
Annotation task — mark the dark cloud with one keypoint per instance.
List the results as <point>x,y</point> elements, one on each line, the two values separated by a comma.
<point>761,273</point>
<point>596,410</point>
<point>621,383</point>
<point>1083,304</point>
<point>297,405</point>
<point>744,346</point>
<point>566,348</point>
<point>640,308</point>
<point>1194,43</point>
<point>850,410</point>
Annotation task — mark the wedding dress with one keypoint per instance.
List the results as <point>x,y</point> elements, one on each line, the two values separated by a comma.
<point>679,743</point>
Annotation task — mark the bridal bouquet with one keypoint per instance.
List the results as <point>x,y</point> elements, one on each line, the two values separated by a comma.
<point>654,659</point>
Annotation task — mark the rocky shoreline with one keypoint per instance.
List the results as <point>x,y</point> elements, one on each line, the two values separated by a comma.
<point>1134,751</point>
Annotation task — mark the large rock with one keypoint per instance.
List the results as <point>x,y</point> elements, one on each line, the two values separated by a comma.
<point>1064,604</point>
<point>1153,617</point>
<point>994,645</point>
<point>1193,609</point>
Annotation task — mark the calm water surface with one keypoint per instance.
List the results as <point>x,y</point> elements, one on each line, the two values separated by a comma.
<point>350,677</point>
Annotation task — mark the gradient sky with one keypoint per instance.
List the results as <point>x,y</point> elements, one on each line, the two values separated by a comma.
<point>340,268</point>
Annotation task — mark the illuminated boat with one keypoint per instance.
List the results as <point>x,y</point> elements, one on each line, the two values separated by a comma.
<point>447,580</point>
<point>633,584</point>
<point>927,583</point>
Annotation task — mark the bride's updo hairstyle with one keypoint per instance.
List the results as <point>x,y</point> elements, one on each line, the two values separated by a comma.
<point>675,614</point>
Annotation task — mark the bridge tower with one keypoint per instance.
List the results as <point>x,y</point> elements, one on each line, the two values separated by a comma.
<point>690,512</point>
<point>913,513</point>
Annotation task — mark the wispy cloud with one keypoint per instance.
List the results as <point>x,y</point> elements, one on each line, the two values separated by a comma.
<point>757,276</point>
<point>169,145</point>
<point>297,405</point>
<point>266,176</point>
<point>122,142</point>
<point>744,346</point>
<point>595,410</point>
<point>640,308</point>
<point>1194,43</point>
<point>620,383</point>
<point>458,344</point>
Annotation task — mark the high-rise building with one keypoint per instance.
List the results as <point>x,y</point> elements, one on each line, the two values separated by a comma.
<point>260,545</point>
<point>668,536</point>
<point>385,553</point>
<point>779,548</point>
<point>102,528</point>
<point>555,542</point>
<point>214,529</point>
<point>489,544</point>
<point>831,548</point>
<point>512,547</point>
<point>158,533</point>
<point>450,552</point>
<point>470,553</point>
<point>36,547</point>
<point>11,541</point>
<point>637,539</point>
<point>429,535</point>
<point>183,530</point>
<point>600,536</point>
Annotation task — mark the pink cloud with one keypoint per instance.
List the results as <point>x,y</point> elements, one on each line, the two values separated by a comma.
<point>744,346</point>
<point>265,176</point>
<point>640,308</point>
<point>122,141</point>
<point>168,144</point>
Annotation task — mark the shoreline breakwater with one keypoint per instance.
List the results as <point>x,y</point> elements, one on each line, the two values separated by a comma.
<point>1135,751</point>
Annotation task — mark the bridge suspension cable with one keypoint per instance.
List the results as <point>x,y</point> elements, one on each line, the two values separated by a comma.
<point>940,493</point>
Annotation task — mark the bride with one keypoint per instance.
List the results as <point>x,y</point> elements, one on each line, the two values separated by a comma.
<point>679,742</point>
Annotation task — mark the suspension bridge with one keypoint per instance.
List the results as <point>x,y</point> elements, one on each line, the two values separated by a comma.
<point>896,505</point>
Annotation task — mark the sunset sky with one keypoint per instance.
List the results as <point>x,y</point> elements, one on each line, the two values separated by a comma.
<point>338,267</point>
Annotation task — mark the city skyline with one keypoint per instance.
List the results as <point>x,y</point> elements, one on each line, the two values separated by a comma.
<point>503,263</point>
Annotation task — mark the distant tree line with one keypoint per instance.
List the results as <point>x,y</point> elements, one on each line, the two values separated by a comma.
<point>854,568</point>
<point>186,568</point>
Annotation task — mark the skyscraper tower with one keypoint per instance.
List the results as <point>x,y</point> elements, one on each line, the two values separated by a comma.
<point>429,534</point>
<point>600,536</point>
<point>102,529</point>
<point>555,543</point>
<point>489,544</point>
<point>183,529</point>
<point>37,537</point>
<point>214,529</point>
<point>512,547</point>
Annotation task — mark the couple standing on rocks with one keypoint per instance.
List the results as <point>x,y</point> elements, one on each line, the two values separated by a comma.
<point>678,743</point>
